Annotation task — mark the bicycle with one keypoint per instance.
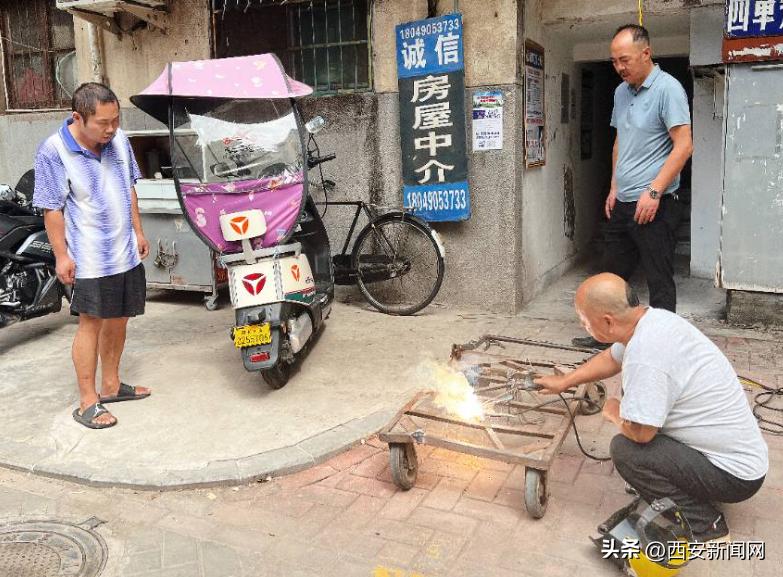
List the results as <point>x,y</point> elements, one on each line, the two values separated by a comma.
<point>397,260</point>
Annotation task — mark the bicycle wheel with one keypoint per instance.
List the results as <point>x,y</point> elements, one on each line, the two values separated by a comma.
<point>399,264</point>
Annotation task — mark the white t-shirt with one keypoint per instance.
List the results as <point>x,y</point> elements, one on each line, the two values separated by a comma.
<point>676,379</point>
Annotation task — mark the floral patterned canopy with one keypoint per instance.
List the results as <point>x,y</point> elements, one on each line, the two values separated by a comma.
<point>258,76</point>
<point>238,165</point>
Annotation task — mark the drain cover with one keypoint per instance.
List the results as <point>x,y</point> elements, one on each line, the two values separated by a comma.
<point>50,549</point>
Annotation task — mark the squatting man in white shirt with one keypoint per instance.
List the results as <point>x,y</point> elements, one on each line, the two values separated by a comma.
<point>686,429</point>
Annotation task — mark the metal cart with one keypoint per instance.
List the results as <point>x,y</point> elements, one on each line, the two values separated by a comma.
<point>520,426</point>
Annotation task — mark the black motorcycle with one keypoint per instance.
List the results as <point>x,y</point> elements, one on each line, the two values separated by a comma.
<point>28,283</point>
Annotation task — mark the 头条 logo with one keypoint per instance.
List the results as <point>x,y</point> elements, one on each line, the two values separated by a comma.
<point>296,272</point>
<point>254,283</point>
<point>240,224</point>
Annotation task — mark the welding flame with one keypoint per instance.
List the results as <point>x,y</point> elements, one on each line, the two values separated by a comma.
<point>453,392</point>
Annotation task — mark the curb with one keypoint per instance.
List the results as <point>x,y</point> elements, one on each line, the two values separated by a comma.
<point>275,463</point>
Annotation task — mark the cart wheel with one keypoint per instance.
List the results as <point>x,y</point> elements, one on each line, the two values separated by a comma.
<point>211,303</point>
<point>404,465</point>
<point>536,498</point>
<point>277,376</point>
<point>596,392</point>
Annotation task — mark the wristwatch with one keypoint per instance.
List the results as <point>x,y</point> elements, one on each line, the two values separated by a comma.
<point>652,192</point>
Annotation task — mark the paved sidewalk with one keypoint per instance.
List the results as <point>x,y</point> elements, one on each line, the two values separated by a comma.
<point>208,420</point>
<point>464,518</point>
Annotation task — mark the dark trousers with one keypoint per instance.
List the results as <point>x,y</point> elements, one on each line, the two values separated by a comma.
<point>667,468</point>
<point>652,244</point>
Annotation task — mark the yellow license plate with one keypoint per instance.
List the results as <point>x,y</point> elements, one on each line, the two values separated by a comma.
<point>252,335</point>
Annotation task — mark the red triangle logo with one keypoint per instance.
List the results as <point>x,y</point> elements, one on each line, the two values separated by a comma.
<point>239,224</point>
<point>254,283</point>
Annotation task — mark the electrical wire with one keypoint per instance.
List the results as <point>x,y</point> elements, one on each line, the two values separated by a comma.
<point>762,402</point>
<point>573,419</point>
<point>576,431</point>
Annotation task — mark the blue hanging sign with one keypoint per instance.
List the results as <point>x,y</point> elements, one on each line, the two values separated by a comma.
<point>431,78</point>
<point>754,18</point>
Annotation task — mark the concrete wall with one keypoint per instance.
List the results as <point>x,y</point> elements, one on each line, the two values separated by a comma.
<point>554,11</point>
<point>483,253</point>
<point>707,176</point>
<point>386,15</point>
<point>20,135</point>
<point>708,139</point>
<point>134,60</point>
<point>706,35</point>
<point>546,251</point>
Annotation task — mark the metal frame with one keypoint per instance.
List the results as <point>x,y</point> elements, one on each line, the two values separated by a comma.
<point>360,206</point>
<point>505,386</point>
<point>295,47</point>
<point>301,46</point>
<point>434,427</point>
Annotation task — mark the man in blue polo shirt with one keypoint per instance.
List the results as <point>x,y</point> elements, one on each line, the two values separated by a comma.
<point>652,145</point>
<point>84,177</point>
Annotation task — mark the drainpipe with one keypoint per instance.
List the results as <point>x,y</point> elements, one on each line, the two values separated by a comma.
<point>96,57</point>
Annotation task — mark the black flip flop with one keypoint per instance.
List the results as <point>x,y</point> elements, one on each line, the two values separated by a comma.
<point>91,413</point>
<point>125,393</point>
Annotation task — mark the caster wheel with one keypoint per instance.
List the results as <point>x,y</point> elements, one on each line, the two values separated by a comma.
<point>404,465</point>
<point>596,392</point>
<point>536,497</point>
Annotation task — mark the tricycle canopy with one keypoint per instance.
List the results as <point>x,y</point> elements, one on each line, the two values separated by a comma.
<point>259,76</point>
<point>236,142</point>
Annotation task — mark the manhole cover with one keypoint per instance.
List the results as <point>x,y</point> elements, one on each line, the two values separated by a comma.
<point>50,549</point>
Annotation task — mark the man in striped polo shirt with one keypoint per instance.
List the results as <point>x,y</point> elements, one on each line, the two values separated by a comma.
<point>84,177</point>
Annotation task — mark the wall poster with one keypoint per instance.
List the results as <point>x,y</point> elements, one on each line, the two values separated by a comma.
<point>488,120</point>
<point>535,120</point>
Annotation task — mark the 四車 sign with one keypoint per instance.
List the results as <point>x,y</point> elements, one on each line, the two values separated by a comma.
<point>752,18</point>
<point>431,79</point>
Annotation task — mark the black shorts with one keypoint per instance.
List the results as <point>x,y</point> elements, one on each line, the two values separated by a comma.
<point>111,297</point>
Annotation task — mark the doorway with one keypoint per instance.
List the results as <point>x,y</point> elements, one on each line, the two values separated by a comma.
<point>598,81</point>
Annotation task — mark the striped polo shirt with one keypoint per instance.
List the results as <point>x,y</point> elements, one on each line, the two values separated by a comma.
<point>94,193</point>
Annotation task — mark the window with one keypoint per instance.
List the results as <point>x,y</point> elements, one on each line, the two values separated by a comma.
<point>38,54</point>
<point>323,43</point>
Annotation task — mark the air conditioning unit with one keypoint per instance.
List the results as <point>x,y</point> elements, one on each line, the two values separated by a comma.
<point>104,12</point>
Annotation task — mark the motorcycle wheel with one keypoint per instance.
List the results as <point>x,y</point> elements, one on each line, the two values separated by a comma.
<point>277,377</point>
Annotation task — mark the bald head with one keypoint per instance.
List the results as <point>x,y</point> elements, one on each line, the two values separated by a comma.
<point>606,294</point>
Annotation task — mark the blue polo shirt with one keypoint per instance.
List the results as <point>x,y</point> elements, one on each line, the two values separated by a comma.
<point>95,194</point>
<point>643,119</point>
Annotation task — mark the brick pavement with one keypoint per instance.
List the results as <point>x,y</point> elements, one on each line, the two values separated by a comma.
<point>464,518</point>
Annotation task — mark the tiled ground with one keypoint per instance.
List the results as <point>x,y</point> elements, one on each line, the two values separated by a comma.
<point>465,516</point>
